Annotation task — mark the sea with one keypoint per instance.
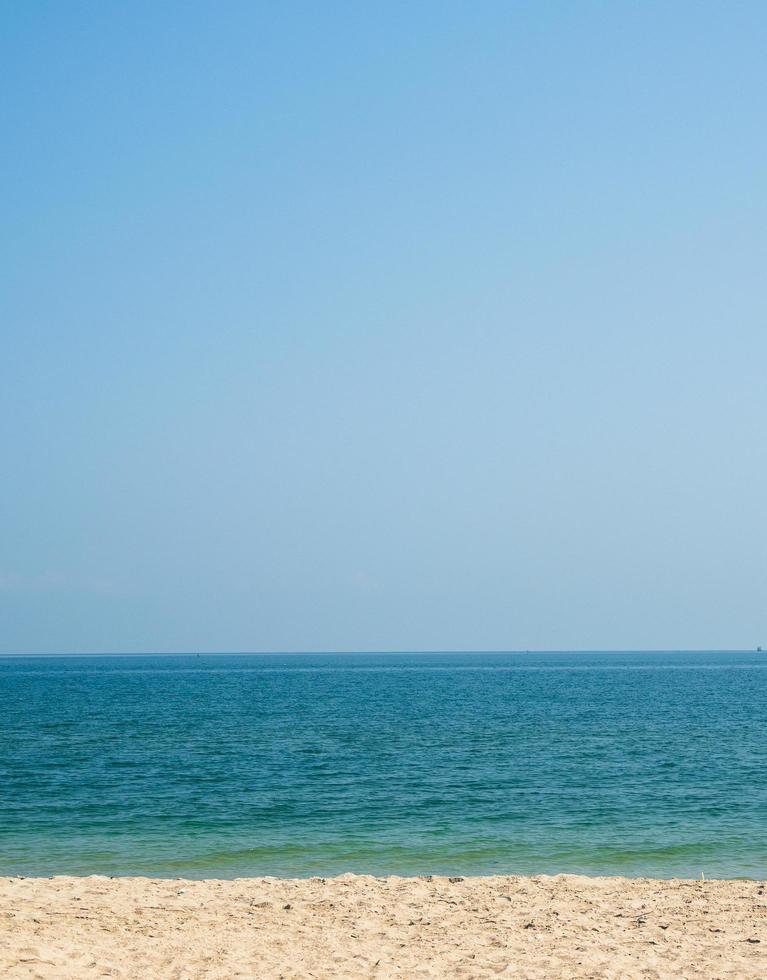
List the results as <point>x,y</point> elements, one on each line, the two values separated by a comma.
<point>442,763</point>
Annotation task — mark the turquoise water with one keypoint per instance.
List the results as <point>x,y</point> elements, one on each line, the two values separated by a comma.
<point>199,766</point>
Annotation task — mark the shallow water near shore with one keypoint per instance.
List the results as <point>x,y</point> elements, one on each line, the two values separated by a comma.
<point>295,765</point>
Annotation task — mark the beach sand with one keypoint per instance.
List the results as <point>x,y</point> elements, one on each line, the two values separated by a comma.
<point>358,926</point>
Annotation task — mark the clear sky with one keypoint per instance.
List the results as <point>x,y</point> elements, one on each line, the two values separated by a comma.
<point>369,326</point>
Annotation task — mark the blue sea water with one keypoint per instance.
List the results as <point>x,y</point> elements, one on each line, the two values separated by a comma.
<point>203,766</point>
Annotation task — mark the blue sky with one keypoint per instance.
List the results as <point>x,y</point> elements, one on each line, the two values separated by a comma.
<point>383,326</point>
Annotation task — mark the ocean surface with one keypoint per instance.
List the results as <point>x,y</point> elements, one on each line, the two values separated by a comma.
<point>225,766</point>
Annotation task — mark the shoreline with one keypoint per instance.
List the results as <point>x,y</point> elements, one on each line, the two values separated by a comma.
<point>359,926</point>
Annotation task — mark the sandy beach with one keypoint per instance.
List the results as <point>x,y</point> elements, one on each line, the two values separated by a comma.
<point>359,926</point>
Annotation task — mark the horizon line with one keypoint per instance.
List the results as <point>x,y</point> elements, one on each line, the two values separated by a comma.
<point>372,653</point>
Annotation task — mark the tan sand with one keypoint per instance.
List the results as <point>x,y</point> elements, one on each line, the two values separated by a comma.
<point>357,926</point>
